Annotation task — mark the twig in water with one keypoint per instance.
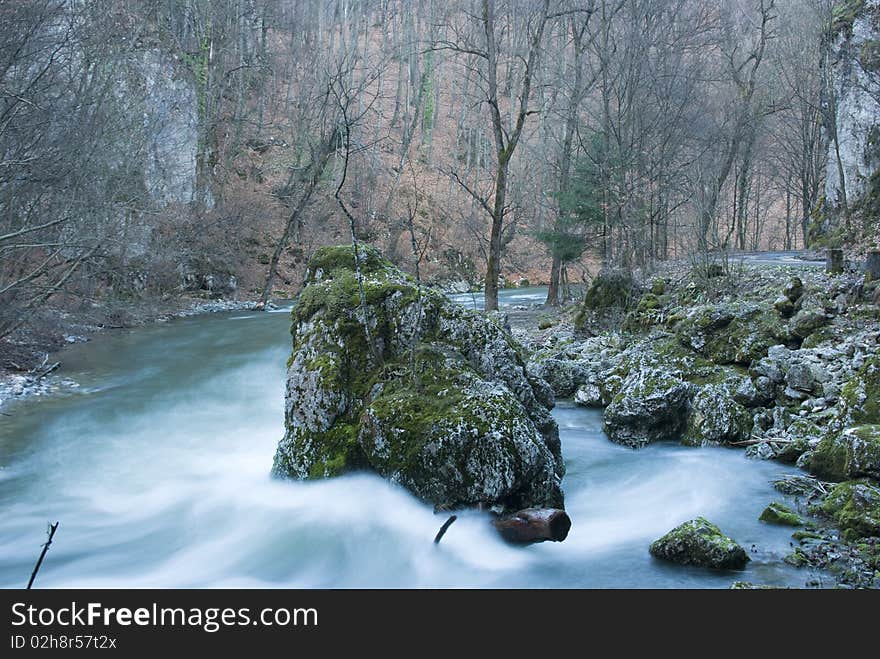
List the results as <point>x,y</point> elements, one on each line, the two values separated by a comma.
<point>52,529</point>
<point>444,528</point>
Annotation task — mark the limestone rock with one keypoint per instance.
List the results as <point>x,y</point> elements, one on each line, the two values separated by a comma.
<point>651,406</point>
<point>431,395</point>
<point>716,418</point>
<point>855,506</point>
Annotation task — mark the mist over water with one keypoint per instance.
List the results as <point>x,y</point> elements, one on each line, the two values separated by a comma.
<point>157,467</point>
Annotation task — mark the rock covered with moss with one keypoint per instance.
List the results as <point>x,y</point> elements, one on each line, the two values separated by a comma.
<point>700,543</point>
<point>781,515</point>
<point>732,333</point>
<point>428,394</point>
<point>855,507</point>
<point>850,447</point>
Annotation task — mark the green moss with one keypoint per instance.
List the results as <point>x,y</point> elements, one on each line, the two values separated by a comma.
<point>798,558</point>
<point>861,395</point>
<point>658,286</point>
<point>820,336</point>
<point>338,257</point>
<point>800,536</point>
<point>780,514</point>
<point>609,290</point>
<point>343,454</point>
<point>855,507</point>
<point>869,56</point>
<point>732,333</point>
<point>844,15</point>
<point>648,302</point>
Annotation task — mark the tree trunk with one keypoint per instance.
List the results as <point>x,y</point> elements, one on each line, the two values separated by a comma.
<point>553,288</point>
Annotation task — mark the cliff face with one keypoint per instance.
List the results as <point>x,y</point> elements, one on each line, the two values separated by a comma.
<point>170,126</point>
<point>853,86</point>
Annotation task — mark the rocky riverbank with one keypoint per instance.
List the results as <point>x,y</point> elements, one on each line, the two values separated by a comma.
<point>781,362</point>
<point>30,360</point>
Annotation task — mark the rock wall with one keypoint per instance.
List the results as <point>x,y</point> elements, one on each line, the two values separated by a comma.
<point>854,85</point>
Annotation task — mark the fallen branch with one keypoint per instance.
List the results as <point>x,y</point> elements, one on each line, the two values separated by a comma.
<point>444,528</point>
<point>765,440</point>
<point>51,532</point>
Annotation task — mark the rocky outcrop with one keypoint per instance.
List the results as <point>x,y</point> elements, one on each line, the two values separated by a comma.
<point>700,543</point>
<point>415,388</point>
<point>733,333</point>
<point>850,446</point>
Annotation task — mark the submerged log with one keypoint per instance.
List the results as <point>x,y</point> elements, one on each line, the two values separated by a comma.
<point>534,525</point>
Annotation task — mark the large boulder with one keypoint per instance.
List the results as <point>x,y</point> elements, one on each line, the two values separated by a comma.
<point>650,406</point>
<point>701,543</point>
<point>853,453</point>
<point>413,387</point>
<point>563,375</point>
<point>716,418</point>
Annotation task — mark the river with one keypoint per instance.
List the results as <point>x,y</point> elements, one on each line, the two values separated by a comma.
<point>157,467</point>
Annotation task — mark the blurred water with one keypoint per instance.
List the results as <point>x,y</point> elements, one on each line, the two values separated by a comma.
<point>158,466</point>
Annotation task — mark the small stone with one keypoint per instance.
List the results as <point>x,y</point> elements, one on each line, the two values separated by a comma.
<point>777,513</point>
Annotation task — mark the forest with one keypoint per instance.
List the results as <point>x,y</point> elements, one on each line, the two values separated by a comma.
<point>162,148</point>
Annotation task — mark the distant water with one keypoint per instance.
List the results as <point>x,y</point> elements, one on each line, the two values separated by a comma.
<point>506,298</point>
<point>158,466</point>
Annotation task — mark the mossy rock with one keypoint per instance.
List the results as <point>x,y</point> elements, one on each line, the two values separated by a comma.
<point>700,543</point>
<point>609,289</point>
<point>781,515</point>
<point>732,333</point>
<point>651,406</point>
<point>415,388</point>
<point>658,286</point>
<point>844,15</point>
<point>854,453</point>
<point>860,397</point>
<point>855,507</point>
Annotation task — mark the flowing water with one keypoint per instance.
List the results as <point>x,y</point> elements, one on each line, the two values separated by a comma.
<point>157,467</point>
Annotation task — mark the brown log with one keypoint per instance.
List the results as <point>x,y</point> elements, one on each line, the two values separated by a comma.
<point>834,261</point>
<point>872,266</point>
<point>534,525</point>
